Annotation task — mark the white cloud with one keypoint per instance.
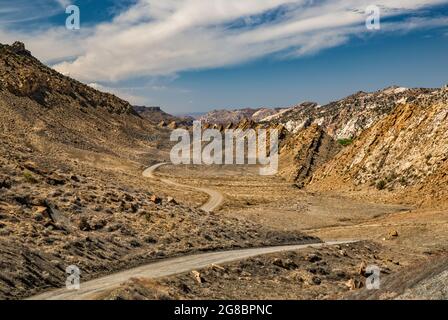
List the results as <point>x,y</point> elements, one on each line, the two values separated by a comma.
<point>64,3</point>
<point>163,37</point>
<point>25,11</point>
<point>55,44</point>
<point>123,93</point>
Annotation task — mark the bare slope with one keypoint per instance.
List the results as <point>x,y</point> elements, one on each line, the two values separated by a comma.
<point>305,151</point>
<point>407,150</point>
<point>349,117</point>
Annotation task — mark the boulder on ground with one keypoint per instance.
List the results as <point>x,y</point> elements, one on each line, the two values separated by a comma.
<point>393,234</point>
<point>197,276</point>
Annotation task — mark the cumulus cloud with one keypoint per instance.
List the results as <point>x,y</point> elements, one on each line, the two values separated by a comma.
<point>164,37</point>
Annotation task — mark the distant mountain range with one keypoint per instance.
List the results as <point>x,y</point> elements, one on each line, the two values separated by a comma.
<point>235,116</point>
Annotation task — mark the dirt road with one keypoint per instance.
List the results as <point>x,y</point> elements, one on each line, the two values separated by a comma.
<point>167,267</point>
<point>215,200</point>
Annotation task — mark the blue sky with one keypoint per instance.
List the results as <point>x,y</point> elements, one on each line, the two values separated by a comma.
<point>196,55</point>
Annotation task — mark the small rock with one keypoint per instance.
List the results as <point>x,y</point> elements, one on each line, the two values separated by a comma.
<point>31,166</point>
<point>290,265</point>
<point>362,269</point>
<point>5,183</point>
<point>171,200</point>
<point>184,288</point>
<point>278,262</point>
<point>49,240</point>
<point>354,284</point>
<point>287,264</point>
<point>84,224</point>
<point>113,227</point>
<point>217,267</point>
<point>38,217</point>
<point>313,258</point>
<point>393,234</point>
<point>23,200</point>
<point>173,125</point>
<point>340,274</point>
<point>128,197</point>
<point>135,243</point>
<point>208,238</point>
<point>99,224</point>
<point>316,280</point>
<point>55,193</point>
<point>197,276</point>
<point>41,210</point>
<point>19,48</point>
<point>50,225</point>
<point>55,180</point>
<point>150,240</point>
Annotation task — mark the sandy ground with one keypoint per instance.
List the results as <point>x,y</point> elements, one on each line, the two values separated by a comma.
<point>273,201</point>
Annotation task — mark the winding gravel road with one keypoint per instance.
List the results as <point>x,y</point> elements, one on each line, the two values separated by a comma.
<point>167,267</point>
<point>172,266</point>
<point>215,200</point>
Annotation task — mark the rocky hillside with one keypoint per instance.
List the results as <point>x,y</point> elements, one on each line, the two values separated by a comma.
<point>348,117</point>
<point>41,107</point>
<point>302,153</point>
<point>284,115</point>
<point>157,116</point>
<point>406,149</point>
<point>236,116</point>
<point>24,76</point>
<point>393,139</point>
<point>264,113</point>
<point>227,116</point>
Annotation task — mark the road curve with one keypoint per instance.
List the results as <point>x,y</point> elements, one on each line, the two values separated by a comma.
<point>167,267</point>
<point>215,200</point>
